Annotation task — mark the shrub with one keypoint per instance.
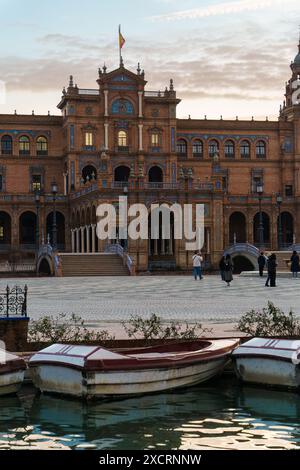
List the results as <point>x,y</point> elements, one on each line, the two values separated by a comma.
<point>153,328</point>
<point>271,321</point>
<point>63,329</point>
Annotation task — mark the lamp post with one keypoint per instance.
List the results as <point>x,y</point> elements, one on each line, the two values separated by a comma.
<point>260,190</point>
<point>54,226</point>
<point>37,198</point>
<point>279,200</point>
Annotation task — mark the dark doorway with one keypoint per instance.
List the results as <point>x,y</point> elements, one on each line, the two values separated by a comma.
<point>237,228</point>
<point>60,223</point>
<point>27,227</point>
<point>89,173</point>
<point>156,175</point>
<point>241,263</point>
<point>122,174</point>
<point>266,227</point>
<point>5,229</point>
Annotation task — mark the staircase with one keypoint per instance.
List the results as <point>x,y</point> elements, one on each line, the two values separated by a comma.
<point>281,257</point>
<point>96,264</point>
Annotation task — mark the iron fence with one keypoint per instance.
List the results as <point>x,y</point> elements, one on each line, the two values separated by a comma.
<point>14,301</point>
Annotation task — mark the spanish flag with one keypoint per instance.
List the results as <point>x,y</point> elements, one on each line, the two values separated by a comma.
<point>121,39</point>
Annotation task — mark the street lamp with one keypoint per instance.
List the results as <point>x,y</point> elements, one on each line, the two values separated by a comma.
<point>54,226</point>
<point>260,190</point>
<point>279,200</point>
<point>37,198</point>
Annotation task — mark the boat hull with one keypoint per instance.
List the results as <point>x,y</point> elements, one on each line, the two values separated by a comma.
<point>11,382</point>
<point>272,372</point>
<point>99,384</point>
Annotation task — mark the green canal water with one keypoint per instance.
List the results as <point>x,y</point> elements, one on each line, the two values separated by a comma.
<point>217,415</point>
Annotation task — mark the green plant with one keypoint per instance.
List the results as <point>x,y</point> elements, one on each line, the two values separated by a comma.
<point>271,321</point>
<point>153,328</point>
<point>64,329</point>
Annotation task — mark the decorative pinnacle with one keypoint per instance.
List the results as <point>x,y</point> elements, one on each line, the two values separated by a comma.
<point>71,83</point>
<point>139,69</point>
<point>171,85</point>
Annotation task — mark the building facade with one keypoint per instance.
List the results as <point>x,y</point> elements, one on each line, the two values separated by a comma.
<point>120,138</point>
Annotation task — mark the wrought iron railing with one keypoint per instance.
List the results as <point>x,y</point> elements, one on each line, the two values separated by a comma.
<point>14,301</point>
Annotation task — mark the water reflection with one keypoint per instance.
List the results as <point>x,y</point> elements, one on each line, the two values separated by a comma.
<point>219,415</point>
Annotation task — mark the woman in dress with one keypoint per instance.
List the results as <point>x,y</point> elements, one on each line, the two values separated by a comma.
<point>228,269</point>
<point>295,264</point>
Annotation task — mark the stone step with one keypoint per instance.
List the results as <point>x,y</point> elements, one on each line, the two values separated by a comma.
<point>92,265</point>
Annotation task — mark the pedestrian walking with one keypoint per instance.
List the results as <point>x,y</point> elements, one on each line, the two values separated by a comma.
<point>222,268</point>
<point>262,261</point>
<point>272,268</point>
<point>228,269</point>
<point>268,275</point>
<point>197,265</point>
<point>295,264</point>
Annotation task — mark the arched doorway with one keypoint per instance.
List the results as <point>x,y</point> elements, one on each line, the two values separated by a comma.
<point>44,268</point>
<point>156,176</point>
<point>161,249</point>
<point>122,174</point>
<point>287,229</point>
<point>60,226</point>
<point>27,229</point>
<point>242,263</point>
<point>5,230</point>
<point>237,228</point>
<point>89,173</point>
<point>266,228</point>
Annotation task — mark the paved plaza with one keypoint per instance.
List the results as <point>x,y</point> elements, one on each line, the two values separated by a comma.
<point>104,300</point>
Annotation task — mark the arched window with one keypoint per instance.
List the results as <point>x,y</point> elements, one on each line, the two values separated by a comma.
<point>24,145</point>
<point>181,147</point>
<point>261,150</point>
<point>6,145</point>
<point>198,148</point>
<point>122,140</point>
<point>89,173</point>
<point>213,148</point>
<point>156,175</point>
<point>122,106</point>
<point>245,149</point>
<point>122,174</point>
<point>42,146</point>
<point>229,149</point>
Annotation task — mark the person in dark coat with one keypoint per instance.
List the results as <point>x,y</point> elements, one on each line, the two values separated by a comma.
<point>295,264</point>
<point>262,261</point>
<point>272,266</point>
<point>222,268</point>
<point>228,269</point>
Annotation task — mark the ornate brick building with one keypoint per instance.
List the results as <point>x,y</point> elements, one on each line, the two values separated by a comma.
<point>120,138</point>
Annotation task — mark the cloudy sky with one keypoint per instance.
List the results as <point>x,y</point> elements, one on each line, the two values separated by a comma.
<point>226,57</point>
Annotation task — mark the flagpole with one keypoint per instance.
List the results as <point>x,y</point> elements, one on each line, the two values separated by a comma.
<point>120,50</point>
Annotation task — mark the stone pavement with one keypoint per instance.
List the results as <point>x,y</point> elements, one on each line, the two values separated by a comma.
<point>103,301</point>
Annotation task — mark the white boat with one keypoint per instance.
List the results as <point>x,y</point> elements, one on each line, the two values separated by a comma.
<point>94,372</point>
<point>273,362</point>
<point>12,369</point>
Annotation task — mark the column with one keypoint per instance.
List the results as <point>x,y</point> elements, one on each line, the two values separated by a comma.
<point>106,125</point>
<point>163,243</point>
<point>82,239</point>
<point>155,247</point>
<point>77,240</point>
<point>171,244</point>
<point>106,103</point>
<point>73,240</point>
<point>93,238</point>
<point>140,93</point>
<point>140,137</point>
<point>87,234</point>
